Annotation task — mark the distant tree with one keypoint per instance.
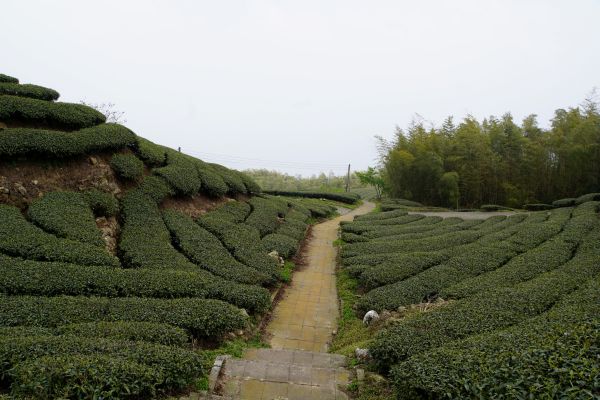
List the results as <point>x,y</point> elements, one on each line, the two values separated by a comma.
<point>373,178</point>
<point>449,190</point>
<point>108,109</point>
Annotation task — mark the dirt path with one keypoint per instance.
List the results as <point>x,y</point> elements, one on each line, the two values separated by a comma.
<point>297,366</point>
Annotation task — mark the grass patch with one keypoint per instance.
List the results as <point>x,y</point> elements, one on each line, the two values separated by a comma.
<point>234,348</point>
<point>286,273</point>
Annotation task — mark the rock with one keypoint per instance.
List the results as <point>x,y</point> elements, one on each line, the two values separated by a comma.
<point>93,160</point>
<point>20,188</point>
<point>240,333</point>
<point>35,182</point>
<point>4,190</point>
<point>360,374</point>
<point>370,317</point>
<point>244,312</point>
<point>385,315</point>
<point>362,354</point>
<point>274,254</point>
<point>334,333</point>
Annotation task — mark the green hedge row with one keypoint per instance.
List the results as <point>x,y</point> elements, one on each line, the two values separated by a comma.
<point>233,179</point>
<point>348,198</point>
<point>587,197</point>
<point>102,204</point>
<point>464,261</point>
<point>568,202</point>
<point>145,241</point>
<point>317,208</point>
<point>242,241</point>
<point>380,215</point>
<point>360,227</point>
<point>205,250</point>
<point>212,183</point>
<point>487,311</point>
<point>77,367</point>
<point>8,79</point>
<point>232,211</point>
<point>266,214</point>
<point>153,154</point>
<point>31,91</point>
<point>127,166</point>
<point>156,188</point>
<point>26,141</point>
<point>417,231</point>
<point>152,332</point>
<point>549,255</point>
<point>20,238</point>
<point>554,355</point>
<point>67,215</point>
<point>200,317</point>
<point>284,245</point>
<point>538,207</point>
<point>21,277</point>
<point>494,207</point>
<point>293,228</point>
<point>68,116</point>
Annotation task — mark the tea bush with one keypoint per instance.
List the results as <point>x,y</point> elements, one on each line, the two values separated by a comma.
<point>266,214</point>
<point>102,204</point>
<point>348,198</point>
<point>127,166</point>
<point>31,91</point>
<point>284,245</point>
<point>8,79</point>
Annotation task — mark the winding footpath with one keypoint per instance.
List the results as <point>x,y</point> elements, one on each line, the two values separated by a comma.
<point>297,366</point>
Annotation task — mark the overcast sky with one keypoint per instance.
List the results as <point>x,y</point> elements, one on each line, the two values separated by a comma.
<point>303,86</point>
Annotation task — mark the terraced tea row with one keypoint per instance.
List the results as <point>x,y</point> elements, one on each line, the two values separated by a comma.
<point>501,277</point>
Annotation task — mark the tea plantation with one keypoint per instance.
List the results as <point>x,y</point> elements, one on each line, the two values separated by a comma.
<point>510,306</point>
<point>81,318</point>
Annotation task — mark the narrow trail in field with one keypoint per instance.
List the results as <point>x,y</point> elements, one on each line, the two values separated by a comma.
<point>298,366</point>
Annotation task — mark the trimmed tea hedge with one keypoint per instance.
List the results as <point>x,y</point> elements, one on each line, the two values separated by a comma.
<point>20,238</point>
<point>232,179</point>
<point>284,245</point>
<point>242,241</point>
<point>266,214</point>
<point>27,141</point>
<point>180,173</point>
<point>67,215</point>
<point>79,366</point>
<point>538,207</point>
<point>8,79</point>
<point>232,211</point>
<point>21,277</point>
<point>153,154</point>
<point>380,215</point>
<point>251,186</point>
<point>317,208</point>
<point>200,317</point>
<point>204,249</point>
<point>156,188</point>
<point>293,228</point>
<point>494,207</point>
<point>568,202</point>
<point>102,204</point>
<point>31,91</point>
<point>348,198</point>
<point>67,116</point>
<point>587,197</point>
<point>127,166</point>
<point>152,332</point>
<point>212,183</point>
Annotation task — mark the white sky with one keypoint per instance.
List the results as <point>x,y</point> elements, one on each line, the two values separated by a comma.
<point>303,86</point>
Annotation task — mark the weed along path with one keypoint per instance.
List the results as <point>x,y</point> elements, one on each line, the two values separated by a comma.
<point>297,366</point>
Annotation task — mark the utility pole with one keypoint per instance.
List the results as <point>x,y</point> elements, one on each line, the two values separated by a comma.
<point>348,179</point>
<point>179,149</point>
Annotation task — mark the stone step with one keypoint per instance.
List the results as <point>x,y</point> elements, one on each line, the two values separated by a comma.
<point>297,357</point>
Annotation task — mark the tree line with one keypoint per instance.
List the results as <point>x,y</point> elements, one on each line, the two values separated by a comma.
<point>495,161</point>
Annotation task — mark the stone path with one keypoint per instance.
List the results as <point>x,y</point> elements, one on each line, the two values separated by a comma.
<point>298,366</point>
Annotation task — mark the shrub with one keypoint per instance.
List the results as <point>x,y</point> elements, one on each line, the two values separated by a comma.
<point>348,198</point>
<point>380,215</point>
<point>568,202</point>
<point>20,238</point>
<point>494,207</point>
<point>292,228</point>
<point>27,141</point>
<point>67,215</point>
<point>23,277</point>
<point>266,214</point>
<point>200,317</point>
<point>48,360</point>
<point>67,116</point>
<point>184,180</point>
<point>242,241</point>
<point>8,79</point>
<point>156,188</point>
<point>152,332</point>
<point>212,183</point>
<point>31,91</point>
<point>587,197</point>
<point>251,186</point>
<point>153,154</point>
<point>127,166</point>
<point>284,245</point>
<point>204,249</point>
<point>102,203</point>
<point>317,208</point>
<point>232,179</point>
<point>538,207</point>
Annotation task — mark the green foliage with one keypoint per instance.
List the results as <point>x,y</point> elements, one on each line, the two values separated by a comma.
<point>67,116</point>
<point>232,211</point>
<point>380,215</point>
<point>348,198</point>
<point>200,317</point>
<point>80,367</point>
<point>568,202</point>
<point>494,207</point>
<point>266,214</point>
<point>242,241</point>
<point>152,332</point>
<point>24,277</point>
<point>537,207</point>
<point>67,215</point>
<point>398,204</point>
<point>8,79</point>
<point>153,154</point>
<point>127,166</point>
<point>102,203</point>
<point>373,178</point>
<point>205,250</point>
<point>20,238</point>
<point>31,91</point>
<point>156,188</point>
<point>284,245</point>
<point>274,180</point>
<point>232,179</point>
<point>34,142</point>
<point>587,197</point>
<point>180,173</point>
<point>212,183</point>
<point>251,186</point>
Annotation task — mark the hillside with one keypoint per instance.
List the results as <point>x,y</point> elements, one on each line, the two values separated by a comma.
<point>121,258</point>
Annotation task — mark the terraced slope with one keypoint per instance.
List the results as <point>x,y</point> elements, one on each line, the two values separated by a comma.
<point>119,257</point>
<point>519,316</point>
